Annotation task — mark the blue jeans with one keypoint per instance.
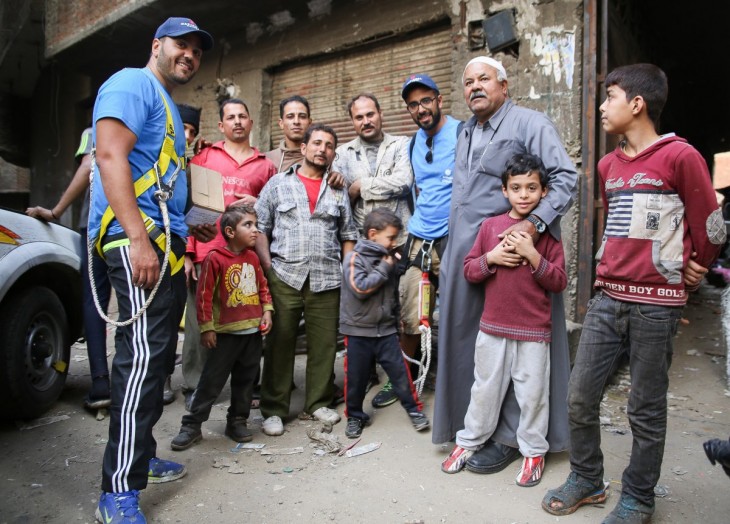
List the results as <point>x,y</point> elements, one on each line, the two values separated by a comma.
<point>611,329</point>
<point>94,325</point>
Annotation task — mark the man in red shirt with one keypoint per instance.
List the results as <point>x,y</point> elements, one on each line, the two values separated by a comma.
<point>245,170</point>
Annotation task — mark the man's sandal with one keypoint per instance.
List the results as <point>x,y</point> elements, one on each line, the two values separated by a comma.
<point>575,493</point>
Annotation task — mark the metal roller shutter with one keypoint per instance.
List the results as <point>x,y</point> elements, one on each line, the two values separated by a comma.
<point>328,84</point>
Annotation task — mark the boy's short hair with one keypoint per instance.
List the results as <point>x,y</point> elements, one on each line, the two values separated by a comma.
<point>233,215</point>
<point>319,127</point>
<point>645,80</point>
<point>522,164</point>
<point>380,218</point>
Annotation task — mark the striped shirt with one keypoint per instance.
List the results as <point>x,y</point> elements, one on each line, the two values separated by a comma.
<point>303,244</point>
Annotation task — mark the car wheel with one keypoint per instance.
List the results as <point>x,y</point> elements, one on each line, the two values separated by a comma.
<point>34,352</point>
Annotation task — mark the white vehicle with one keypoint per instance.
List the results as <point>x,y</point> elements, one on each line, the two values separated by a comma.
<point>40,311</point>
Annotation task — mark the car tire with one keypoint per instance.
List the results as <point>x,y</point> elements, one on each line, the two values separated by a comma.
<point>34,352</point>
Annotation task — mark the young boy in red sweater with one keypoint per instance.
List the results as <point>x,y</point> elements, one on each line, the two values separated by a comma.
<point>234,309</point>
<point>513,343</point>
<point>661,210</point>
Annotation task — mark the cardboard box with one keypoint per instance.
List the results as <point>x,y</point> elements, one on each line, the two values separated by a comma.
<point>206,191</point>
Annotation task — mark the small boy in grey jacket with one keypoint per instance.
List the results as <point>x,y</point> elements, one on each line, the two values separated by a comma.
<point>369,319</point>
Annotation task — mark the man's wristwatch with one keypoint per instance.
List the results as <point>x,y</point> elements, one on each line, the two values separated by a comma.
<point>540,226</point>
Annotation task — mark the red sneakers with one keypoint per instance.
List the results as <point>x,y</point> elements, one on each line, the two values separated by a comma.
<point>456,460</point>
<point>530,472</point>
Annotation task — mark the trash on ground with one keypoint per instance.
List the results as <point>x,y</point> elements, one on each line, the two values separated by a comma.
<point>679,470</point>
<point>38,422</point>
<point>361,450</point>
<point>329,441</point>
<point>247,445</point>
<point>282,451</point>
<point>661,490</point>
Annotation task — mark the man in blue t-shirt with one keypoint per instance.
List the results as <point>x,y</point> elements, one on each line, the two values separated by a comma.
<point>432,158</point>
<point>137,128</point>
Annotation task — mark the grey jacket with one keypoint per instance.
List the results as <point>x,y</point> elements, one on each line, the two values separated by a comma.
<point>390,186</point>
<point>369,293</point>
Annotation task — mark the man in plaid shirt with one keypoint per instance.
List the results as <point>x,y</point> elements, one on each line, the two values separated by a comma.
<point>308,228</point>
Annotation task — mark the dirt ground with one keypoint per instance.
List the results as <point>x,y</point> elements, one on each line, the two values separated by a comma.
<point>51,473</point>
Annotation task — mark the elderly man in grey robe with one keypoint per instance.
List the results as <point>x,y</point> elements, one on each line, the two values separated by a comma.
<point>498,130</point>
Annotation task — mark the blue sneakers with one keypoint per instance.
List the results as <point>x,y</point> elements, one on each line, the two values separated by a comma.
<point>164,471</point>
<point>120,508</point>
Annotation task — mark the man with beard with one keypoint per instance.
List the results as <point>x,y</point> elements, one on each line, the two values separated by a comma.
<point>375,164</point>
<point>307,230</point>
<point>431,152</point>
<point>140,143</point>
<point>498,130</point>
<point>245,171</point>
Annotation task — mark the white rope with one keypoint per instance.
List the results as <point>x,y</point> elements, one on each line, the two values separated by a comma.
<point>425,363</point>
<point>90,250</point>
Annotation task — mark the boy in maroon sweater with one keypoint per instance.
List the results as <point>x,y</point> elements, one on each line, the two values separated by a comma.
<point>513,343</point>
<point>661,210</point>
<point>234,310</point>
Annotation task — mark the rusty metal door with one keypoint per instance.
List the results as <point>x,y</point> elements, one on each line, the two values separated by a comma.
<point>328,83</point>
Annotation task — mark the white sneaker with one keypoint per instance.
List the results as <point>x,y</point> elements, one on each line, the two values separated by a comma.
<point>326,415</point>
<point>273,426</point>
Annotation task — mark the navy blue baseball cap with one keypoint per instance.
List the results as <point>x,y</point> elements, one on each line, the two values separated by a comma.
<point>419,79</point>
<point>176,26</point>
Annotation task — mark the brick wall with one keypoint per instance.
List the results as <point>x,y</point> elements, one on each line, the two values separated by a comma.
<point>68,22</point>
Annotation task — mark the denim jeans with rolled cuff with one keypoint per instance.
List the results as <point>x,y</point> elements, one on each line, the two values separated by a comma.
<point>644,332</point>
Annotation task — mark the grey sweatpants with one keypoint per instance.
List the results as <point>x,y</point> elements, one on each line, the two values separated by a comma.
<point>498,360</point>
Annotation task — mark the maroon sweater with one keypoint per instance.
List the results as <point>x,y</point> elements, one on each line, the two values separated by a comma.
<point>516,300</point>
<point>661,207</point>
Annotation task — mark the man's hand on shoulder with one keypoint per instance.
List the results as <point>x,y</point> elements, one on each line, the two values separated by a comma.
<point>200,144</point>
<point>336,180</point>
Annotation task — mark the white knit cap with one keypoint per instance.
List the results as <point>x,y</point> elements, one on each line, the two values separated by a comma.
<point>496,64</point>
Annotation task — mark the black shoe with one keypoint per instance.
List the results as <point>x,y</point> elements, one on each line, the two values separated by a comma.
<point>385,396</point>
<point>237,430</point>
<point>419,421</point>
<point>492,458</point>
<point>186,438</point>
<point>354,427</point>
<point>168,394</point>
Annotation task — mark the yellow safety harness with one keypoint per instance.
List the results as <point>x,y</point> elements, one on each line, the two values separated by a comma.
<point>163,193</point>
<point>159,237</point>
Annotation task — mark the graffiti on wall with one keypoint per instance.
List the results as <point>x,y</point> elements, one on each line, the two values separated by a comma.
<point>555,47</point>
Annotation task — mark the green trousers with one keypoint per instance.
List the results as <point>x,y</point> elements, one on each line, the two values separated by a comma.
<point>321,321</point>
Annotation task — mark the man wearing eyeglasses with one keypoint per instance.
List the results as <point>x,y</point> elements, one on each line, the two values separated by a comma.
<point>432,158</point>
<point>498,130</point>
